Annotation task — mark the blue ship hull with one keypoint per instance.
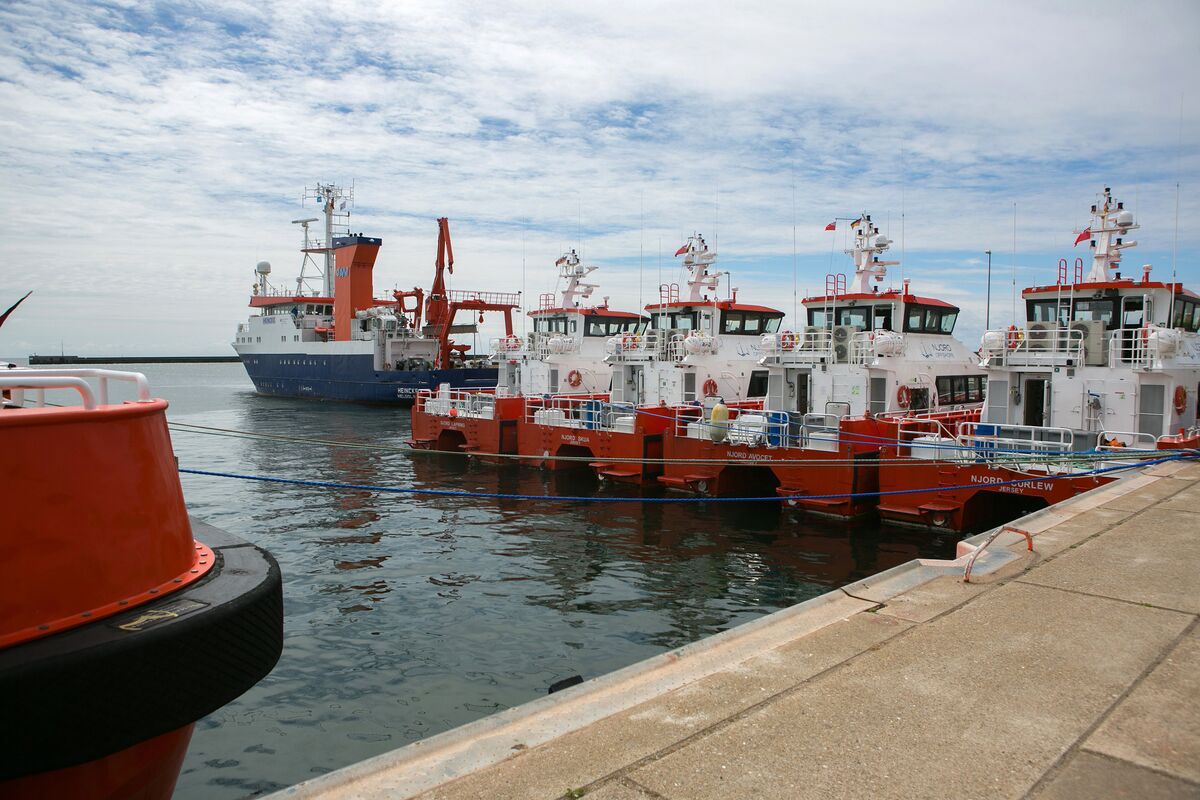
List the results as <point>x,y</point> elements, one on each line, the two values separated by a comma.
<point>352,378</point>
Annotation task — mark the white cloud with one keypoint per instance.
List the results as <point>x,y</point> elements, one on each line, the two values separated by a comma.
<point>154,153</point>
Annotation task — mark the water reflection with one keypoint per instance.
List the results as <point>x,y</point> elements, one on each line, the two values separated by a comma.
<point>407,615</point>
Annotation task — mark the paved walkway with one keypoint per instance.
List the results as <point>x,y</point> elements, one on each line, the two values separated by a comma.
<point>1073,672</point>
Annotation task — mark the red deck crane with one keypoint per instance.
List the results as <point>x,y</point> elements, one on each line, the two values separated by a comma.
<point>443,305</point>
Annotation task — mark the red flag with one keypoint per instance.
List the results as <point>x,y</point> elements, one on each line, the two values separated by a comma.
<point>681,250</point>
<point>1083,236</point>
<point>13,308</point>
<point>831,226</point>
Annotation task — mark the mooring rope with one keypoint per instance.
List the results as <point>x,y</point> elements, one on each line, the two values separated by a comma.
<point>465,494</point>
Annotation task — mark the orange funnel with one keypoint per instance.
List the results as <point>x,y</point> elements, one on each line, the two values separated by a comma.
<point>354,261</point>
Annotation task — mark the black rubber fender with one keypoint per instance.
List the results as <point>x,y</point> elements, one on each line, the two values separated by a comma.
<point>92,691</point>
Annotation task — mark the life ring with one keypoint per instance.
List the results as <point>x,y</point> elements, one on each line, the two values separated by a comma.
<point>710,388</point>
<point>1015,335</point>
<point>574,378</point>
<point>1181,394</point>
<point>903,396</point>
<point>511,342</point>
<point>629,341</point>
<point>787,340</point>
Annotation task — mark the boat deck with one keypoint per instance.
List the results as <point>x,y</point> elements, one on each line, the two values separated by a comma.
<point>1069,672</point>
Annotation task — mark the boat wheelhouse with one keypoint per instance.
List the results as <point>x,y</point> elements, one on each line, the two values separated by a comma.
<point>565,353</point>
<point>870,351</point>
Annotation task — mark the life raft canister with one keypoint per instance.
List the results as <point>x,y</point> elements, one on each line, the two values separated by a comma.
<point>1181,396</point>
<point>710,388</point>
<point>903,396</point>
<point>574,378</point>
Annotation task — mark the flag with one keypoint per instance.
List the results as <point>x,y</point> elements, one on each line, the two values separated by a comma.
<point>1083,236</point>
<point>681,250</point>
<point>13,308</point>
<point>856,222</point>
<point>831,226</point>
<point>561,261</point>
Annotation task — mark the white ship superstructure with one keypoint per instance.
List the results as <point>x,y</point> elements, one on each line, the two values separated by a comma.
<point>565,352</point>
<point>1104,358</point>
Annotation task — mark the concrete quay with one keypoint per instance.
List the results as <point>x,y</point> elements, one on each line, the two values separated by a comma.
<point>1069,672</point>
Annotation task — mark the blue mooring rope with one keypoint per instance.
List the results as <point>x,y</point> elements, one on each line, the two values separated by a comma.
<point>1189,456</point>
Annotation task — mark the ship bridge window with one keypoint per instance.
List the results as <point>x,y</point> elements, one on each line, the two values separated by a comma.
<point>883,318</point>
<point>858,316</point>
<point>550,324</point>
<point>1046,311</point>
<point>1187,314</point>
<point>611,326</point>
<point>1102,310</point>
<point>678,320</point>
<point>750,323</point>
<point>817,317</point>
<point>930,319</point>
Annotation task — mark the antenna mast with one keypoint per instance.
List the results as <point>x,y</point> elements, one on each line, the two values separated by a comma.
<point>336,204</point>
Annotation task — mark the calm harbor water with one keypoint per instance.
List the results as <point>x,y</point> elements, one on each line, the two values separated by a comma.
<point>406,616</point>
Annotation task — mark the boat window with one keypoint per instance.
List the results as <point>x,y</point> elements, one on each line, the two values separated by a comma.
<point>816,317</point>
<point>954,389</point>
<point>758,383</point>
<point>609,326</point>
<point>1046,311</point>
<point>854,316</point>
<point>556,324</point>
<point>1094,309</point>
<point>883,318</point>
<point>749,323</point>
<point>930,319</point>
<point>666,320</point>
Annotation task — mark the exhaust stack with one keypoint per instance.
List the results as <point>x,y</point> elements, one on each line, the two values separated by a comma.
<point>354,263</point>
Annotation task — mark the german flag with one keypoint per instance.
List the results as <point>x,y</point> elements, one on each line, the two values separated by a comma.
<point>856,223</point>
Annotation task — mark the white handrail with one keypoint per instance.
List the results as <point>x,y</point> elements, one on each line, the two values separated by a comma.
<point>9,383</point>
<point>102,375</point>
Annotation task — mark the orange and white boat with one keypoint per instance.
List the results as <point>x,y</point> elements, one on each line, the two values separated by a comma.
<point>864,354</point>
<point>698,345</point>
<point>564,355</point>
<point>1105,366</point>
<point>119,628</point>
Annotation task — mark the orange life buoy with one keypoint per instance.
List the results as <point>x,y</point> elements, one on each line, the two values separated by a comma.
<point>1015,335</point>
<point>710,388</point>
<point>629,341</point>
<point>511,342</point>
<point>1180,398</point>
<point>574,378</point>
<point>903,397</point>
<point>787,340</point>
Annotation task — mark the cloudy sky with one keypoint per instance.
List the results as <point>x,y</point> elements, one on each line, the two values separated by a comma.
<point>152,153</point>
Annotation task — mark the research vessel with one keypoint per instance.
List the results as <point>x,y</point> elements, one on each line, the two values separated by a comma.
<point>329,337</point>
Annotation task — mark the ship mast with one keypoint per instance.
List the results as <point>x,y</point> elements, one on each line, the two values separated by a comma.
<point>698,259</point>
<point>868,244</point>
<point>336,204</point>
<point>1110,223</point>
<point>570,268</point>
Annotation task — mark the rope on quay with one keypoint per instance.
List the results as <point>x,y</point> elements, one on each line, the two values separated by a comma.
<point>998,457</point>
<point>661,500</point>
